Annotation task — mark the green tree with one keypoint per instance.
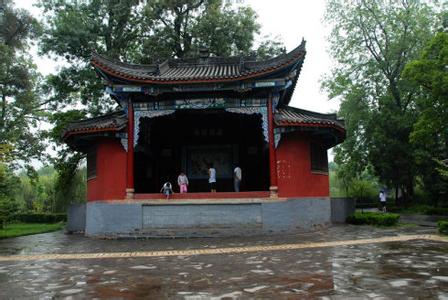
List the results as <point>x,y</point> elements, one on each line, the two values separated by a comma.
<point>21,108</point>
<point>8,186</point>
<point>430,132</point>
<point>180,28</point>
<point>135,31</point>
<point>372,41</point>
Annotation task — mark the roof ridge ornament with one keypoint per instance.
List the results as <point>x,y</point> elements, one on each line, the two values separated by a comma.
<point>204,52</point>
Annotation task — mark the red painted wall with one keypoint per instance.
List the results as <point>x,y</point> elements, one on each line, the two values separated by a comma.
<point>110,180</point>
<point>295,178</point>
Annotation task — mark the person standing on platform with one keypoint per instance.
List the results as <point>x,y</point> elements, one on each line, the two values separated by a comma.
<point>237,177</point>
<point>212,178</point>
<point>182,181</point>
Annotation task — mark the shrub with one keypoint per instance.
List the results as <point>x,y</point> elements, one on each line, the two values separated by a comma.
<point>7,209</point>
<point>443,226</point>
<point>40,218</point>
<point>373,218</point>
<point>363,190</point>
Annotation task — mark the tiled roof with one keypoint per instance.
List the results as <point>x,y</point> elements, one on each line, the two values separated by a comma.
<point>291,116</point>
<point>214,69</point>
<point>115,121</point>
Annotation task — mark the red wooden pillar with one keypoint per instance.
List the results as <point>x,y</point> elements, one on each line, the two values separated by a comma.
<point>272,155</point>
<point>130,154</point>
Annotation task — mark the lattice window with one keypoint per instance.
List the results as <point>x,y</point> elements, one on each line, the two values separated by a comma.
<point>319,159</point>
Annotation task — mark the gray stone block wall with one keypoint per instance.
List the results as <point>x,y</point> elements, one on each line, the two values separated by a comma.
<point>104,219</point>
<point>141,219</point>
<point>296,214</point>
<point>76,218</point>
<point>202,216</point>
<point>341,208</point>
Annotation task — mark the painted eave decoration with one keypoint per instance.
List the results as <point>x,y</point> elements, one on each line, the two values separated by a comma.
<point>286,116</point>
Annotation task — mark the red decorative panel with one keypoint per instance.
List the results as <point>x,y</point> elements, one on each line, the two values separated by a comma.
<point>110,180</point>
<point>295,178</point>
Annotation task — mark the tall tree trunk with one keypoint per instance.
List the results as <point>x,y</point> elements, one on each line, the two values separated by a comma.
<point>3,116</point>
<point>178,35</point>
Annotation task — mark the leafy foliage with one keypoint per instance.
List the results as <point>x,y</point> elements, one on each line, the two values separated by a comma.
<point>373,218</point>
<point>40,218</point>
<point>18,229</point>
<point>180,28</point>
<point>430,132</point>
<point>443,227</point>
<point>21,108</point>
<point>8,205</point>
<point>43,197</point>
<point>372,41</point>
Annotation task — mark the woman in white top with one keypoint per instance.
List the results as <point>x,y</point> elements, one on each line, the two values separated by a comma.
<point>212,178</point>
<point>382,197</point>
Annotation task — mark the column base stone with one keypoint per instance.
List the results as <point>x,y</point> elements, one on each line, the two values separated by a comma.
<point>129,193</point>
<point>274,191</point>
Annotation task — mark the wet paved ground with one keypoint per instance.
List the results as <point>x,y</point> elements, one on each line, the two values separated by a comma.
<point>402,269</point>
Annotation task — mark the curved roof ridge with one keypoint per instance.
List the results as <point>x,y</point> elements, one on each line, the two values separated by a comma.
<point>288,115</point>
<point>113,121</point>
<point>282,57</point>
<point>309,112</point>
<point>103,58</point>
<point>105,116</point>
<point>184,70</point>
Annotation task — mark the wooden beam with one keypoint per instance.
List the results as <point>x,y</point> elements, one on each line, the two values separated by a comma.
<point>130,154</point>
<point>272,154</point>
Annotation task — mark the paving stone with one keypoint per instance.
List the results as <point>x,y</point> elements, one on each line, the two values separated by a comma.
<point>441,278</point>
<point>340,266</point>
<point>255,289</point>
<point>71,291</point>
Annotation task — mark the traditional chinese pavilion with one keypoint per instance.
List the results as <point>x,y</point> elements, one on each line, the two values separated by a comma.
<point>184,114</point>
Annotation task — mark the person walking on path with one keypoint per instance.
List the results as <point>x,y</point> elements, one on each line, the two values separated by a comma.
<point>182,181</point>
<point>212,178</point>
<point>382,197</point>
<point>237,177</point>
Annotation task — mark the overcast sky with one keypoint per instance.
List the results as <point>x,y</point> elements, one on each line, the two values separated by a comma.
<point>291,20</point>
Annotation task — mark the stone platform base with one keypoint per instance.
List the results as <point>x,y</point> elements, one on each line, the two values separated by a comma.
<point>205,218</point>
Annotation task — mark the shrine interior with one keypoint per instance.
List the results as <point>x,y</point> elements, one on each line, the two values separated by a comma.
<point>191,140</point>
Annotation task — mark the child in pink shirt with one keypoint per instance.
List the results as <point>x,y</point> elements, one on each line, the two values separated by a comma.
<point>182,181</point>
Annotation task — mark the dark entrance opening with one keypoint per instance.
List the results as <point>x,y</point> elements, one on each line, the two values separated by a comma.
<point>189,140</point>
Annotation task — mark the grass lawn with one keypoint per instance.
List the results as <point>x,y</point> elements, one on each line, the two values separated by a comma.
<point>19,229</point>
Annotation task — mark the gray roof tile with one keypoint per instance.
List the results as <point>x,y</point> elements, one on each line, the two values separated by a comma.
<point>294,116</point>
<point>115,121</point>
<point>211,68</point>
